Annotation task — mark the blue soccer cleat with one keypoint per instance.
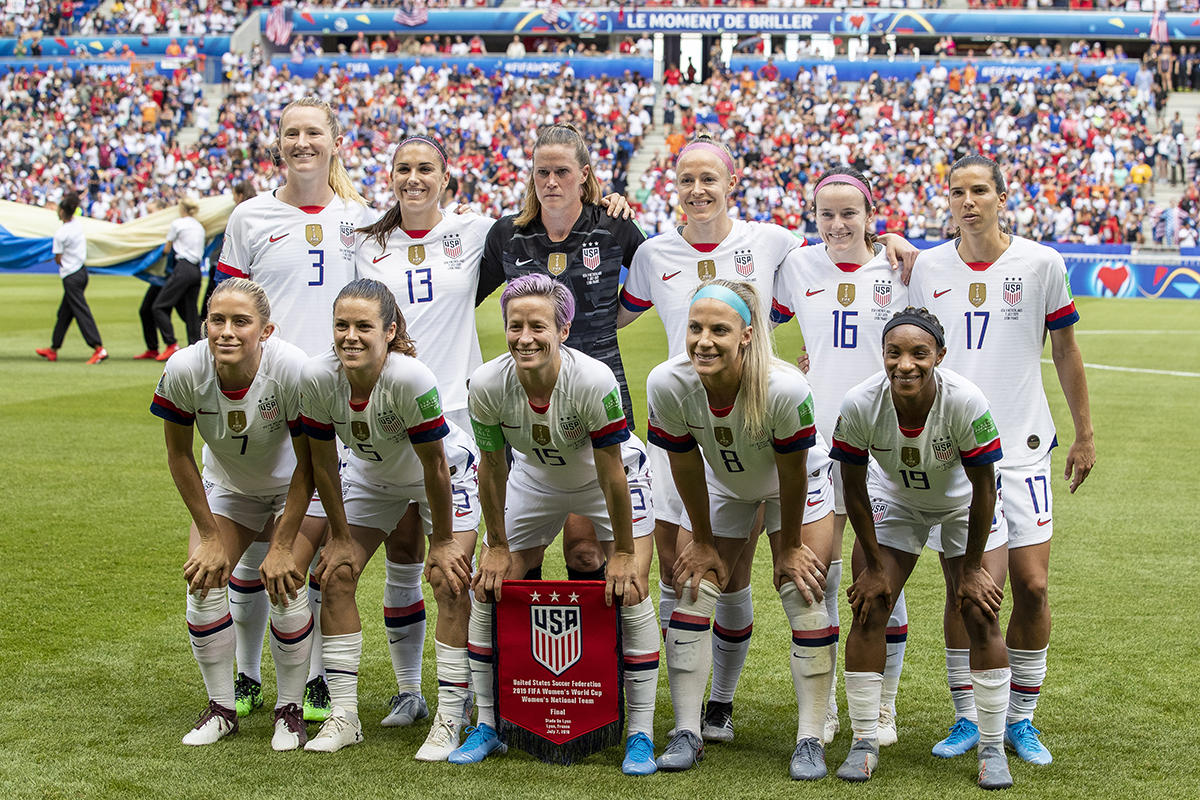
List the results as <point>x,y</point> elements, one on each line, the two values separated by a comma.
<point>482,741</point>
<point>639,756</point>
<point>964,735</point>
<point>1023,739</point>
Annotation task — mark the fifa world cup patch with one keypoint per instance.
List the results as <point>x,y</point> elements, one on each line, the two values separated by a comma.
<point>612,405</point>
<point>236,421</point>
<point>805,410</point>
<point>984,428</point>
<point>430,404</point>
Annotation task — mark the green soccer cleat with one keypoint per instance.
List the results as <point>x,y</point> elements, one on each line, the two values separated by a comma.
<point>247,694</point>
<point>316,700</point>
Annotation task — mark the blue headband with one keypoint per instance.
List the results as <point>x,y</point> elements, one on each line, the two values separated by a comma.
<point>727,296</point>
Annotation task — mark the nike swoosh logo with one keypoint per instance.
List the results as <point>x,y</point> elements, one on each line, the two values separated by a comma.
<point>638,519</point>
<point>339,422</point>
<point>510,427</point>
<point>396,641</point>
<point>689,641</point>
<point>810,292</point>
<point>202,411</point>
<point>274,239</point>
<point>377,259</point>
<point>881,449</point>
<point>1042,522</point>
<point>458,513</point>
<point>727,649</point>
<point>523,262</point>
<point>811,503</point>
<point>936,295</point>
<point>695,427</point>
<point>672,275</point>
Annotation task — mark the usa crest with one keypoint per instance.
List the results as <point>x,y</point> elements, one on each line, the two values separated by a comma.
<point>555,636</point>
<point>541,434</point>
<point>977,294</point>
<point>706,270</point>
<point>557,264</point>
<point>571,428</point>
<point>268,409</point>
<point>910,456</point>
<point>346,231</point>
<point>452,245</point>
<point>1012,291</point>
<point>845,294</point>
<point>591,255</point>
<point>390,422</point>
<point>724,436</point>
<point>883,293</point>
<point>743,262</point>
<point>416,254</point>
<point>878,509</point>
<point>313,234</point>
<point>237,421</point>
<point>943,450</point>
<point>360,430</point>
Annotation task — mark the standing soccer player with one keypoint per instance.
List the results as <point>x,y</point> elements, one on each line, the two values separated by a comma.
<point>998,295</point>
<point>298,244</point>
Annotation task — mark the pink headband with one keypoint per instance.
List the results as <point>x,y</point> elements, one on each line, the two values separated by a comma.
<point>425,140</point>
<point>721,154</point>
<point>849,180</point>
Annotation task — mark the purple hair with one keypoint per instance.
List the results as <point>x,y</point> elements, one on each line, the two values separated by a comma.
<point>536,284</point>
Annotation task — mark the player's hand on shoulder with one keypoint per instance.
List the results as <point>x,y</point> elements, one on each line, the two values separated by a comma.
<point>616,205</point>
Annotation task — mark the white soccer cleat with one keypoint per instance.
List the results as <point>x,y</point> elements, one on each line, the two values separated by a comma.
<point>887,727</point>
<point>340,730</point>
<point>290,731</point>
<point>441,741</point>
<point>215,722</point>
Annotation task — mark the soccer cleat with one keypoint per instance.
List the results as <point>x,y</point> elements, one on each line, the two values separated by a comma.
<point>1022,737</point>
<point>860,762</point>
<point>98,355</point>
<point>338,731</point>
<point>481,742</point>
<point>808,760</point>
<point>170,351</point>
<point>639,756</point>
<point>441,741</point>
<point>407,708</point>
<point>993,768</point>
<point>316,700</point>
<point>717,725</point>
<point>290,732</point>
<point>683,752</point>
<point>149,355</point>
<point>215,722</point>
<point>887,727</point>
<point>832,723</point>
<point>247,694</point>
<point>964,735</point>
<point>48,353</point>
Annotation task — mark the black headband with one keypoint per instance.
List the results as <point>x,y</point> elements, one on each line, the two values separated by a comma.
<point>909,318</point>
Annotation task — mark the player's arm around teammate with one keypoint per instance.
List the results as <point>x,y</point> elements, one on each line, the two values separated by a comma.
<point>572,453</point>
<point>752,418</point>
<point>241,390</point>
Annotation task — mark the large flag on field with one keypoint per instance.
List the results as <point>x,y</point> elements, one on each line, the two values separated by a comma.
<point>559,688</point>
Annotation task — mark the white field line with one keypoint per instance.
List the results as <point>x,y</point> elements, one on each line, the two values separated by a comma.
<point>1110,368</point>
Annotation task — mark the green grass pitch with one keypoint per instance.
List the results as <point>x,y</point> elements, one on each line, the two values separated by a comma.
<point>99,683</point>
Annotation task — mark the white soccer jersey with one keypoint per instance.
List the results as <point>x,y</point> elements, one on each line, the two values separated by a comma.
<point>247,434</point>
<point>302,257</point>
<point>919,468</point>
<point>996,318</point>
<point>842,309</point>
<point>667,269</point>
<point>736,465</point>
<point>434,278</point>
<point>404,409</point>
<point>553,445</point>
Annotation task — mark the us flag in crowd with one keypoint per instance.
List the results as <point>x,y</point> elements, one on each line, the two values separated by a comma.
<point>279,27</point>
<point>551,14</point>
<point>412,14</point>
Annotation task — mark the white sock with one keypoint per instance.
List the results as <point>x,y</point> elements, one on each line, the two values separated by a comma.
<point>479,652</point>
<point>812,662</point>
<point>962,690</point>
<point>862,701</point>
<point>733,624</point>
<point>454,679</point>
<point>991,698</point>
<point>342,654</point>
<point>316,661</point>
<point>404,616</point>
<point>666,605</point>
<point>249,606</point>
<point>291,646</point>
<point>210,629</point>
<point>689,654</point>
<point>897,640</point>
<point>639,643</point>
<point>1028,672</point>
<point>833,585</point>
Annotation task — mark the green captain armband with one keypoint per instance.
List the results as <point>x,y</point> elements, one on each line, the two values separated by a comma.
<point>805,411</point>
<point>984,428</point>
<point>489,437</point>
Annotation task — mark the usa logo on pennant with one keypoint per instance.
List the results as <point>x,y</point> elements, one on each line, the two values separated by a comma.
<point>743,262</point>
<point>883,294</point>
<point>1012,291</point>
<point>346,231</point>
<point>591,255</point>
<point>555,636</point>
<point>452,245</point>
<point>268,409</point>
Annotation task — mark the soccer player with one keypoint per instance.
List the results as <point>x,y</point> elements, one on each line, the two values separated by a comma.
<point>429,259</point>
<point>240,390</point>
<point>902,436</point>
<point>373,394</point>
<point>70,249</point>
<point>560,411</point>
<point>842,294</point>
<point>185,239</point>
<point>564,231</point>
<point>752,417</point>
<point>999,295</point>
<point>298,244</point>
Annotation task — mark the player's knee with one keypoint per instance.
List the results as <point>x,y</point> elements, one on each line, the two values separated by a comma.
<point>339,583</point>
<point>1030,592</point>
<point>584,556</point>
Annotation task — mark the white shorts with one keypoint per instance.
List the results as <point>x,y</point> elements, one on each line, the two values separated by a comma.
<point>998,536</point>
<point>248,510</point>
<point>1028,503</point>
<point>370,505</point>
<point>667,505</point>
<point>534,514</point>
<point>462,419</point>
<point>733,518</point>
<point>903,528</point>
